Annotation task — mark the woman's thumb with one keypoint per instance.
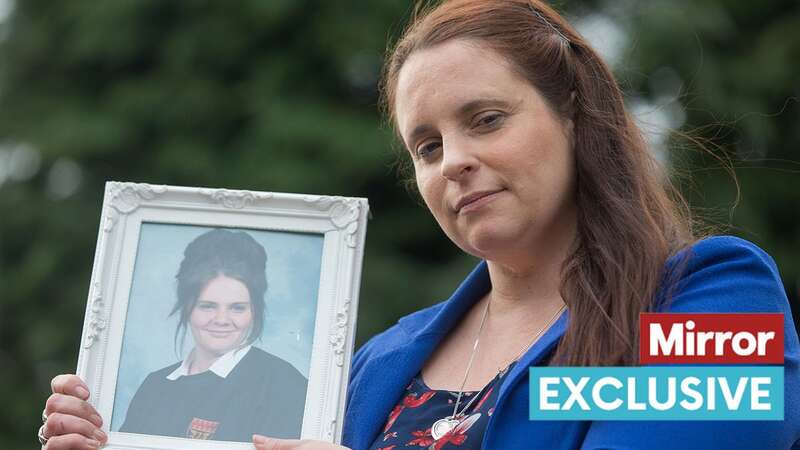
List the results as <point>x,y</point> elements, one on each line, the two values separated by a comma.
<point>265,443</point>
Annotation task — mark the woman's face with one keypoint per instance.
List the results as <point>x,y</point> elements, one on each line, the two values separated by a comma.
<point>493,162</point>
<point>222,316</point>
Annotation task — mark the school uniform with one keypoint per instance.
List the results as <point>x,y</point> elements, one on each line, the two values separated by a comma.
<point>245,392</point>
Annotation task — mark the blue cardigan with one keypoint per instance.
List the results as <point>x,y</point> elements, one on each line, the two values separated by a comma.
<point>723,274</point>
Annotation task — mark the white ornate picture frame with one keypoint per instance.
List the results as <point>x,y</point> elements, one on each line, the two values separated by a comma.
<point>339,225</point>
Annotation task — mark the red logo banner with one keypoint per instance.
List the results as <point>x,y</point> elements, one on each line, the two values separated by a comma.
<point>711,338</point>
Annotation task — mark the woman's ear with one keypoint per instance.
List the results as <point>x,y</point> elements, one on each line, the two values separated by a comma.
<point>569,128</point>
<point>568,118</point>
<point>568,110</point>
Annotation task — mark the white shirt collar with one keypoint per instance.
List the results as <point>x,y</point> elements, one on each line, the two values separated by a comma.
<point>222,366</point>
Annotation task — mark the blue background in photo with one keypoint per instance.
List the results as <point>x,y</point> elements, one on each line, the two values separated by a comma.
<point>293,270</point>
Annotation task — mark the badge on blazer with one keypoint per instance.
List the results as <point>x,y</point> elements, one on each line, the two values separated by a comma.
<point>201,429</point>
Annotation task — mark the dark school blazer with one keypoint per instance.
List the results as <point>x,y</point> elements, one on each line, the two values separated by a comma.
<point>263,394</point>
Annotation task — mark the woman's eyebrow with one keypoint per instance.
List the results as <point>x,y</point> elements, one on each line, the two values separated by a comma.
<point>418,131</point>
<point>467,108</point>
<point>481,103</point>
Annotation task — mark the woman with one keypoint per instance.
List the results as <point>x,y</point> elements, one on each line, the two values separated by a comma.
<point>525,155</point>
<point>222,390</point>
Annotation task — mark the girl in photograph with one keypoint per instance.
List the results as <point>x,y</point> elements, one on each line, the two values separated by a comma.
<point>525,154</point>
<point>225,389</point>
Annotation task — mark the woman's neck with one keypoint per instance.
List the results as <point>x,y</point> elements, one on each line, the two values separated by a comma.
<point>531,283</point>
<point>519,300</point>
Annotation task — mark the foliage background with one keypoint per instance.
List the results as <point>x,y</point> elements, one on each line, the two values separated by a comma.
<point>280,95</point>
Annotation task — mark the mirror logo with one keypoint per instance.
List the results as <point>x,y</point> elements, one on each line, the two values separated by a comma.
<point>698,367</point>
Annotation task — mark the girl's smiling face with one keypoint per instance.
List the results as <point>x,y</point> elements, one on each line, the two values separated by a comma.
<point>222,316</point>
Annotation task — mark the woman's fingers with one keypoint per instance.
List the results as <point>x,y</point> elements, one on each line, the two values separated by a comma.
<point>265,443</point>
<point>71,422</point>
<point>71,442</point>
<point>59,424</point>
<point>69,405</point>
<point>70,385</point>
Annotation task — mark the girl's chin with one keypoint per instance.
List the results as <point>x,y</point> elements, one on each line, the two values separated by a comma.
<point>219,350</point>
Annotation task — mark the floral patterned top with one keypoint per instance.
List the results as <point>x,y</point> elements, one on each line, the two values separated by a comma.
<point>409,424</point>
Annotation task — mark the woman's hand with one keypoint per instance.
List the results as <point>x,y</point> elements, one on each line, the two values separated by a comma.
<point>265,443</point>
<point>72,423</point>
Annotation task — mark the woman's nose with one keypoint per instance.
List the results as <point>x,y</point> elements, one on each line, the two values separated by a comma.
<point>457,159</point>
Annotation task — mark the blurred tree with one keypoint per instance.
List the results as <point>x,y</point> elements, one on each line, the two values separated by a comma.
<point>729,69</point>
<point>280,95</point>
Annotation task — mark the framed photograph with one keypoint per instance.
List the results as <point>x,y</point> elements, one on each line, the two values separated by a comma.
<point>214,314</point>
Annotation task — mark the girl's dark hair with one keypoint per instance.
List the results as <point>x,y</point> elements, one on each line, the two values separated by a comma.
<point>234,254</point>
<point>630,218</point>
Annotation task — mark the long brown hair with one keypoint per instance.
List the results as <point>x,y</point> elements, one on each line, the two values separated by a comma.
<point>630,219</point>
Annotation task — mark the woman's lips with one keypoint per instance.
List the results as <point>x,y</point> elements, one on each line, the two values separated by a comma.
<point>475,200</point>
